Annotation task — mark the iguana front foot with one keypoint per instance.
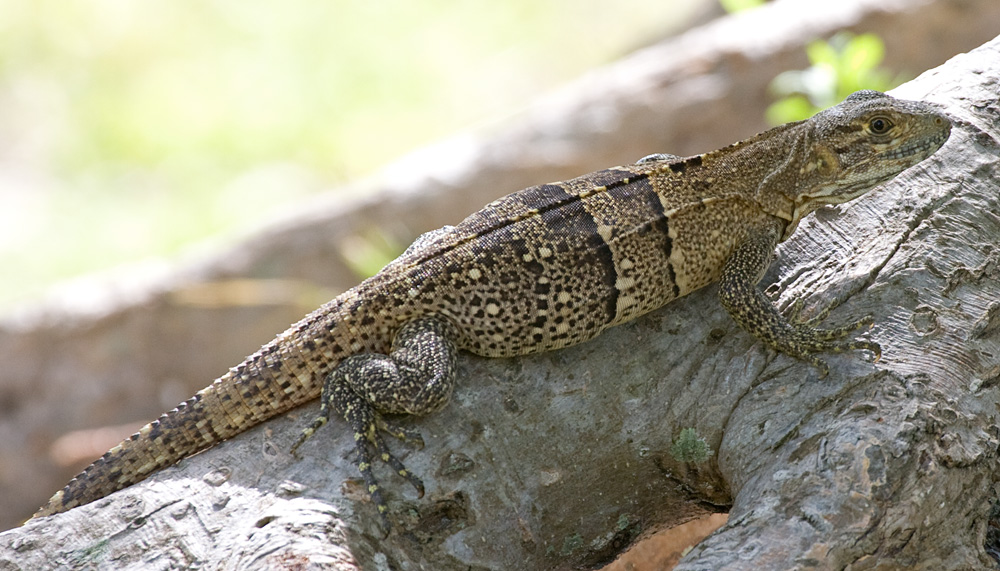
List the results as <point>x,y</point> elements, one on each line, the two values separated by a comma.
<point>751,309</point>
<point>807,341</point>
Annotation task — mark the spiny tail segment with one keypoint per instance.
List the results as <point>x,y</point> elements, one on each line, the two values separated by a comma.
<point>280,376</point>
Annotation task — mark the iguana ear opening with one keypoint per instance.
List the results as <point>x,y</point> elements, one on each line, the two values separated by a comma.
<point>823,161</point>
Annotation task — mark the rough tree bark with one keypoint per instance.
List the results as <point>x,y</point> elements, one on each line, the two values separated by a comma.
<point>893,465</point>
<point>561,460</point>
<point>104,356</point>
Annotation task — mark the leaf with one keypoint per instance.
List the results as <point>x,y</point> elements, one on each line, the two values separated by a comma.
<point>863,53</point>
<point>794,108</point>
<point>820,52</point>
<point>733,6</point>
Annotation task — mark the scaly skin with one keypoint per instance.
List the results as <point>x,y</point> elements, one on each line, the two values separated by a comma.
<point>541,269</point>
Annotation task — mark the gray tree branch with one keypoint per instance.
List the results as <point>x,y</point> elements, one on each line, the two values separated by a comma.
<point>893,465</point>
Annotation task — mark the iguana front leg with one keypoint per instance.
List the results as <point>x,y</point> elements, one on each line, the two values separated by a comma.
<point>416,377</point>
<point>754,312</point>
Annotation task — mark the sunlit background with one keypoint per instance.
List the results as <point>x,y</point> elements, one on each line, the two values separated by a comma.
<point>132,128</point>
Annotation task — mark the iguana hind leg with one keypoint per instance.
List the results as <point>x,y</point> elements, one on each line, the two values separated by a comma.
<point>751,309</point>
<point>416,377</point>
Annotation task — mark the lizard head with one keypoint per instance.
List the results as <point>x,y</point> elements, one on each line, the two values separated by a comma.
<point>864,141</point>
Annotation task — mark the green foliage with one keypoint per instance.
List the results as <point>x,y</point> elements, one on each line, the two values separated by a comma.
<point>840,66</point>
<point>733,6</point>
<point>131,129</point>
<point>623,522</point>
<point>689,447</point>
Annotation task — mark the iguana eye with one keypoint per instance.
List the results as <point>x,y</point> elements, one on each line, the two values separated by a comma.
<point>879,126</point>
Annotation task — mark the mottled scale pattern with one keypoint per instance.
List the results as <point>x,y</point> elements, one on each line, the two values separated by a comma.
<point>540,269</point>
<point>281,375</point>
<point>556,264</point>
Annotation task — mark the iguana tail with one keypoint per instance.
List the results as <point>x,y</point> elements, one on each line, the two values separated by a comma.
<point>285,373</point>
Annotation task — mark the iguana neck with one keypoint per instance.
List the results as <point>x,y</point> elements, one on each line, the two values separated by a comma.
<point>759,167</point>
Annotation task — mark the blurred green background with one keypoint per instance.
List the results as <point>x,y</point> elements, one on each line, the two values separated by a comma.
<point>132,128</point>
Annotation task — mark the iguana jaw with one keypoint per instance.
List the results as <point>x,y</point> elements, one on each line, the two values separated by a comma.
<point>924,132</point>
<point>809,204</point>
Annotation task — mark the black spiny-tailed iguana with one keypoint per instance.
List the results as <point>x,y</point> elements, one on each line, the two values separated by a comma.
<point>541,269</point>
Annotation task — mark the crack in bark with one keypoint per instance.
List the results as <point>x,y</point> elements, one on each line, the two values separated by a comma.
<point>932,206</point>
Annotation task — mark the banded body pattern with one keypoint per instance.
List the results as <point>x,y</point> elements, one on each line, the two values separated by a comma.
<point>556,264</point>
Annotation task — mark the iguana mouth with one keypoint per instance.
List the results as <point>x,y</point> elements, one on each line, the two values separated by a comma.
<point>919,147</point>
